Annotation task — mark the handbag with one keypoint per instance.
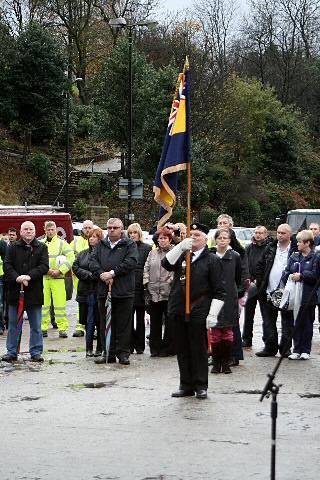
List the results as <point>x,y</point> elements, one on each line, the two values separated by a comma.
<point>276,295</point>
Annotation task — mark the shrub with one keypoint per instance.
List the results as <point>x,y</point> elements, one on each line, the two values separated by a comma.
<point>39,165</point>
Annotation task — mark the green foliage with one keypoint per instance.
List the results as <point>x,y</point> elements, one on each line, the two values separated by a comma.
<point>39,165</point>
<point>37,79</point>
<point>90,186</point>
<point>208,216</point>
<point>7,58</point>
<point>152,97</point>
<point>80,208</point>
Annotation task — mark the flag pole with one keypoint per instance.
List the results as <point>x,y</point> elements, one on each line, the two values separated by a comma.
<point>189,190</point>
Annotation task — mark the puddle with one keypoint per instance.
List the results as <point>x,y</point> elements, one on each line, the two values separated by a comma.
<point>80,386</point>
<point>309,395</point>
<point>59,362</point>
<point>65,350</point>
<point>249,392</point>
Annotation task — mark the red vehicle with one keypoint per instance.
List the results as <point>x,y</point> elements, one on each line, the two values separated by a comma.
<point>14,216</point>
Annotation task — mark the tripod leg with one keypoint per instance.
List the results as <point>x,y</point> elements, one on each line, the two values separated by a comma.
<point>274,414</point>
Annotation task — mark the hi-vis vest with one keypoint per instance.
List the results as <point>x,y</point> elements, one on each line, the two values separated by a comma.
<point>1,267</point>
<point>56,247</point>
<point>79,244</point>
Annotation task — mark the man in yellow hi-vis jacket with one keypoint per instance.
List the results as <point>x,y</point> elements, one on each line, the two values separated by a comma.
<point>79,244</point>
<point>61,258</point>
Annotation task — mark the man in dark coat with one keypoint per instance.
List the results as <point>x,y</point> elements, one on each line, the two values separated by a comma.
<point>3,249</point>
<point>268,273</point>
<point>254,251</point>
<point>25,265</point>
<point>207,295</point>
<point>115,258</point>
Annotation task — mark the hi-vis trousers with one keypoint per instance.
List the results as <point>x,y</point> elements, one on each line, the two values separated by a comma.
<point>56,288</point>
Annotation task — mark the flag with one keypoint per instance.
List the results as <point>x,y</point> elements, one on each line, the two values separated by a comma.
<point>176,149</point>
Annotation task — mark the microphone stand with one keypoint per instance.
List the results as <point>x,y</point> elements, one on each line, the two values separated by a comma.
<point>271,388</point>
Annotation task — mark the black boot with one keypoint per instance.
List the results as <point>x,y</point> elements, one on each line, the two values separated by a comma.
<point>226,349</point>
<point>100,360</point>
<point>216,357</point>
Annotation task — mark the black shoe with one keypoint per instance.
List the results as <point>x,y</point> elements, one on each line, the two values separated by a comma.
<point>89,353</point>
<point>265,353</point>
<point>37,358</point>
<point>54,325</point>
<point>44,333</point>
<point>112,359</point>
<point>124,360</point>
<point>182,393</point>
<point>100,360</point>
<point>225,366</point>
<point>97,353</point>
<point>154,354</point>
<point>9,358</point>
<point>286,354</point>
<point>234,362</point>
<point>139,352</point>
<point>246,343</point>
<point>164,354</point>
<point>78,333</point>
<point>201,394</point>
<point>63,335</point>
<point>216,366</point>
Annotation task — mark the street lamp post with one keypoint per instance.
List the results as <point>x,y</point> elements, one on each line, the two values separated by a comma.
<point>67,162</point>
<point>122,23</point>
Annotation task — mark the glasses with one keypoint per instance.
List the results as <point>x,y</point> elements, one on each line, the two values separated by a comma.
<point>113,228</point>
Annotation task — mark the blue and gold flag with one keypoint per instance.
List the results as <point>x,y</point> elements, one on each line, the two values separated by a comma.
<point>176,149</point>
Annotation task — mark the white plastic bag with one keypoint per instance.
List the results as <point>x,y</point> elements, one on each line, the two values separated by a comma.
<point>291,298</point>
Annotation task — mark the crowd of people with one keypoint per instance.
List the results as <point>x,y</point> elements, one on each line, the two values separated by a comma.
<point>225,278</point>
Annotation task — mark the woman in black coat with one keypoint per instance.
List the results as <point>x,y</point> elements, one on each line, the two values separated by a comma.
<point>222,335</point>
<point>87,294</point>
<point>138,331</point>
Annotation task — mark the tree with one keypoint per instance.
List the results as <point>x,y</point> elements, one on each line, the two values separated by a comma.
<point>7,58</point>
<point>38,82</point>
<point>152,96</point>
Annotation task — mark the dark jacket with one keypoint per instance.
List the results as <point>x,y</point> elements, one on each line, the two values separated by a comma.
<point>206,283</point>
<point>232,274</point>
<point>24,259</point>
<point>265,264</point>
<point>123,259</point>
<point>308,266</point>
<point>143,252</point>
<point>254,253</point>
<point>87,283</point>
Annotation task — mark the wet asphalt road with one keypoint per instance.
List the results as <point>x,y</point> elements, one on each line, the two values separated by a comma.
<point>128,426</point>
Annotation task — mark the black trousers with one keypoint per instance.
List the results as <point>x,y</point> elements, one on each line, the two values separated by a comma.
<point>192,345</point>
<point>249,312</point>
<point>270,332</point>
<point>157,311</point>
<point>121,317</point>
<point>138,334</point>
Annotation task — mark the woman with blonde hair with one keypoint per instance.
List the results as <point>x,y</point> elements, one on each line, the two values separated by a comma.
<point>87,295</point>
<point>135,233</point>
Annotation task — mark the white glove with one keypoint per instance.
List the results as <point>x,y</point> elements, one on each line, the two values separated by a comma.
<point>174,254</point>
<point>212,318</point>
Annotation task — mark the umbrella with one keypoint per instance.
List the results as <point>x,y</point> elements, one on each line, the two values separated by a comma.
<point>20,317</point>
<point>108,320</point>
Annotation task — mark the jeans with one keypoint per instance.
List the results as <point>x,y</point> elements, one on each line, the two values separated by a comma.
<point>2,326</point>
<point>35,340</point>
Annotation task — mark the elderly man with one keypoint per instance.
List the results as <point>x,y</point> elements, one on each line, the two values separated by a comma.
<point>79,244</point>
<point>25,265</point>
<point>115,259</point>
<point>207,295</point>
<point>254,252</point>
<point>268,275</point>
